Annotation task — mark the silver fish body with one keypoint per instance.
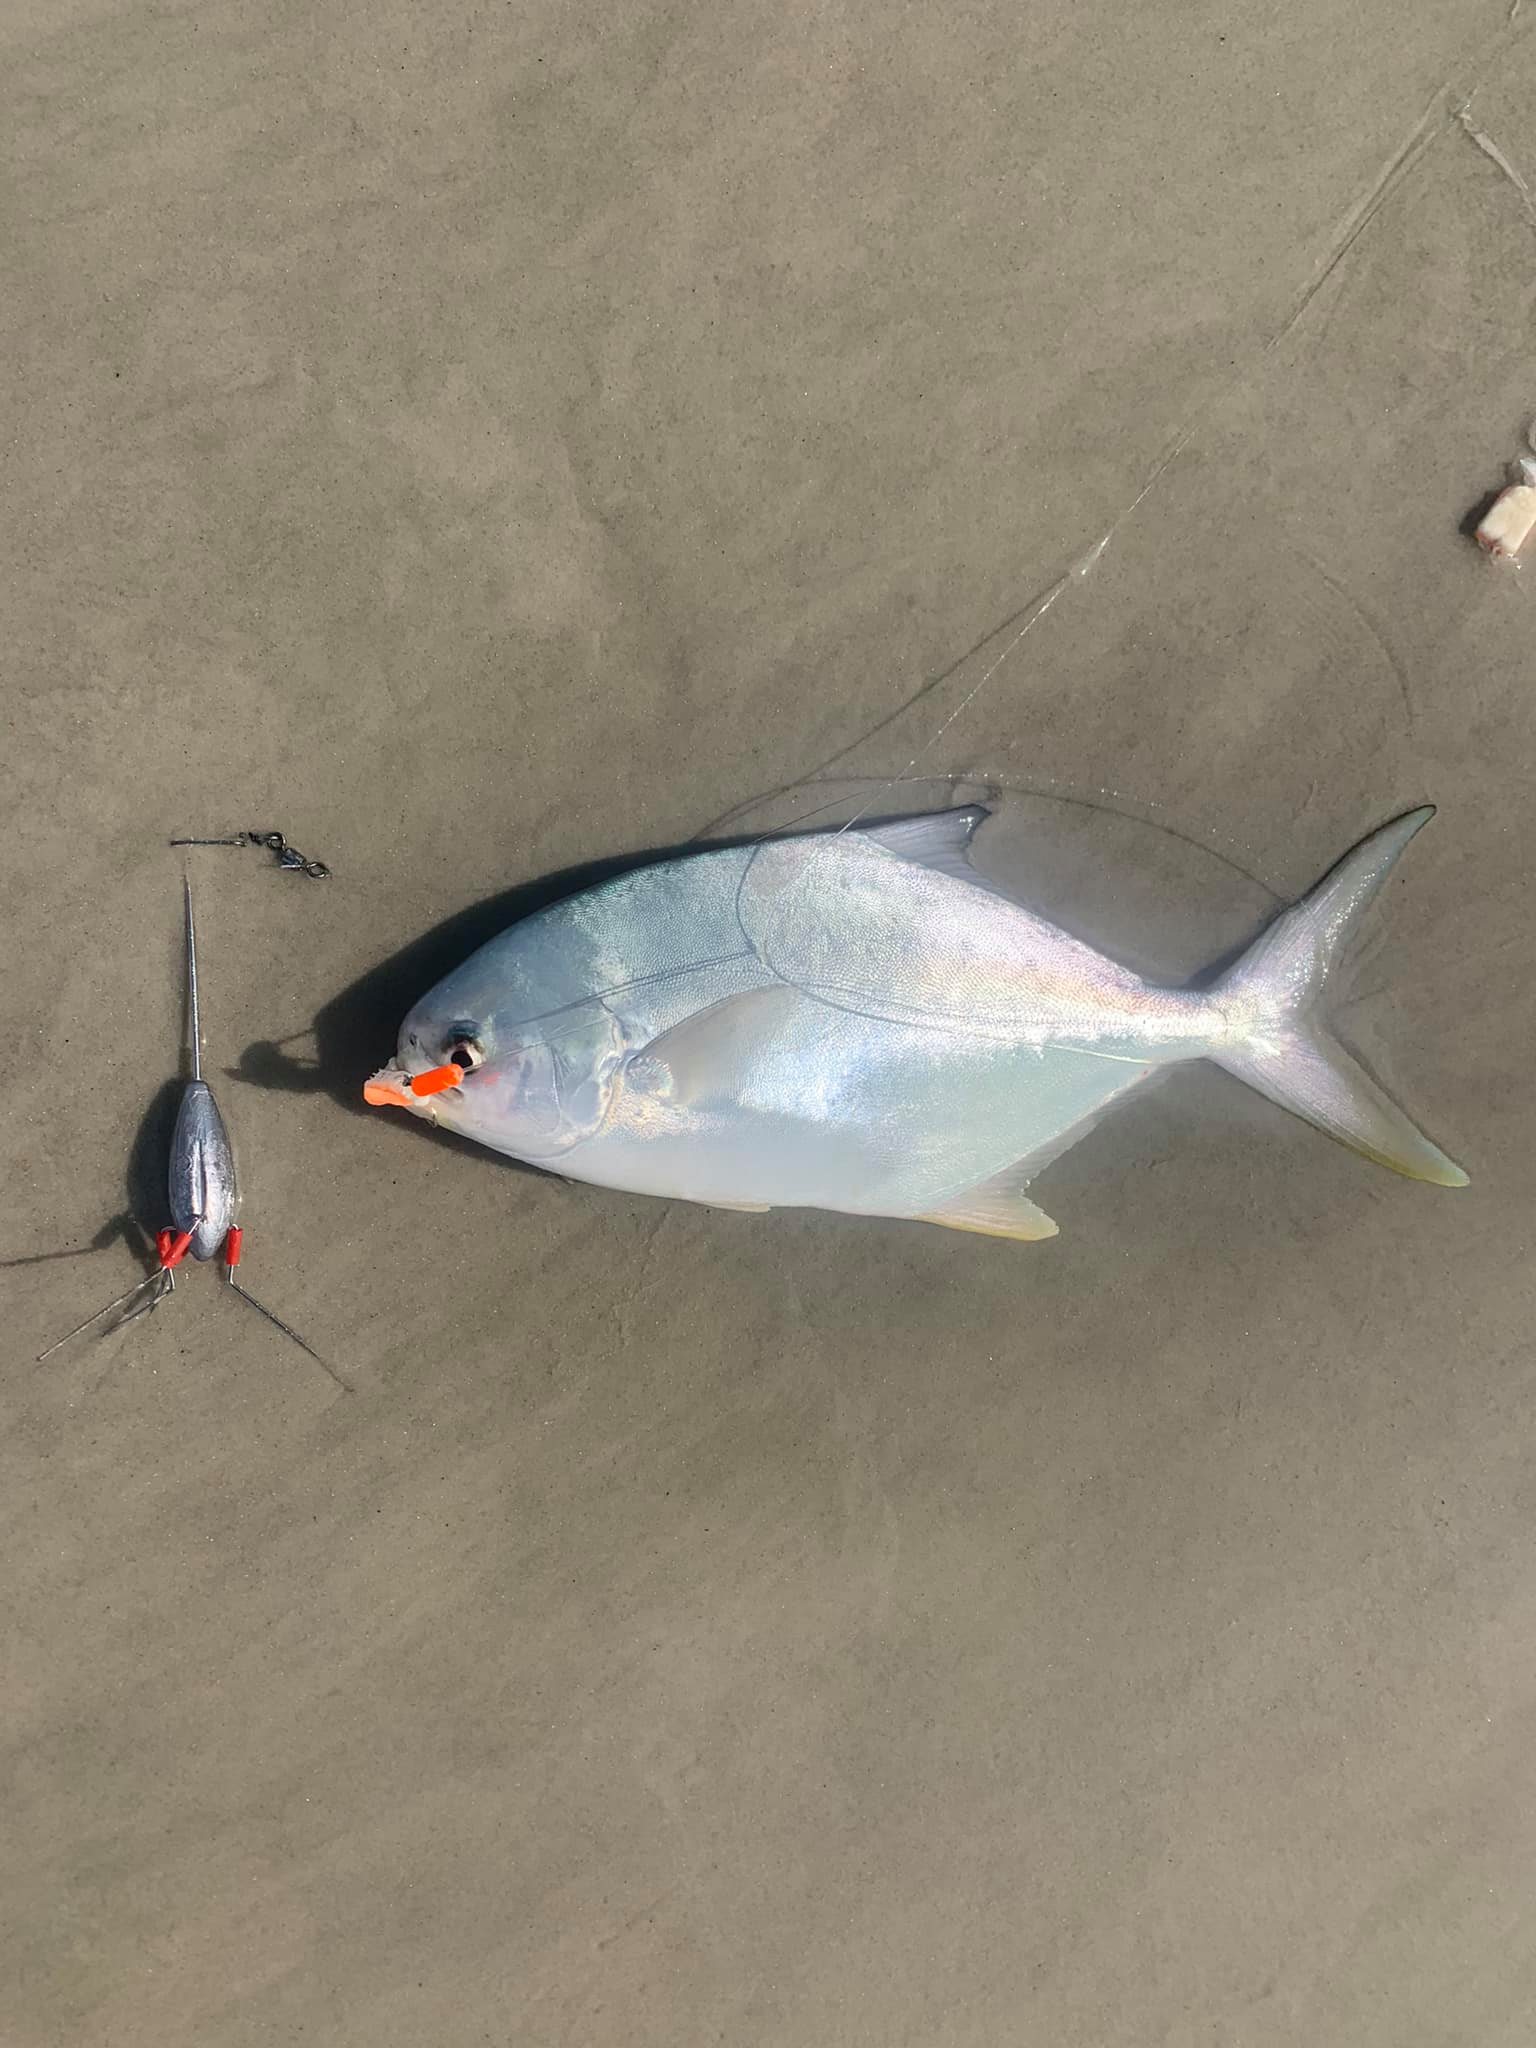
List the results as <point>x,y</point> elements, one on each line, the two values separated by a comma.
<point>857,1021</point>
<point>203,1191</point>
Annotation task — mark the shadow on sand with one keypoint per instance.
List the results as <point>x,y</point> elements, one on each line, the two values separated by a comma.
<point>354,1033</point>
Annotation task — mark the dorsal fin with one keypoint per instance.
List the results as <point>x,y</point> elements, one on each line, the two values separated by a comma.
<point>939,840</point>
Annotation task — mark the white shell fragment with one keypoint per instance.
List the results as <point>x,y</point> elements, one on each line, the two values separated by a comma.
<point>1509,520</point>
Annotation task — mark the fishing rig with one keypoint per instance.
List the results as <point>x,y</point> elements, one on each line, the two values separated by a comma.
<point>201,1184</point>
<point>287,857</point>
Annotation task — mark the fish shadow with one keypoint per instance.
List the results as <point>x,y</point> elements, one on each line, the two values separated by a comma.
<point>355,1032</point>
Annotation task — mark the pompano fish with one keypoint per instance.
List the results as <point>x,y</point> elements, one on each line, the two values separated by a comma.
<point>859,1021</point>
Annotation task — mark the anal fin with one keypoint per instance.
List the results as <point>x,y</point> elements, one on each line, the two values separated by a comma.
<point>997,1207</point>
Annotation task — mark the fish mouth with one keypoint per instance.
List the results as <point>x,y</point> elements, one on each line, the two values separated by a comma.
<point>388,1088</point>
<point>393,1088</point>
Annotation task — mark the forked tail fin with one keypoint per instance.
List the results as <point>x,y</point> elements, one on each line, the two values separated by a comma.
<point>1286,1053</point>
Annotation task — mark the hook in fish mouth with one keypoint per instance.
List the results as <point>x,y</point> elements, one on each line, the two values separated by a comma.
<point>392,1087</point>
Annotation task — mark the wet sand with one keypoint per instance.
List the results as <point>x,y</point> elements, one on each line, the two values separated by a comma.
<point>482,443</point>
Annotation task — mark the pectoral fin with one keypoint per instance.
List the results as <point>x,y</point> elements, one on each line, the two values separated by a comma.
<point>704,1058</point>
